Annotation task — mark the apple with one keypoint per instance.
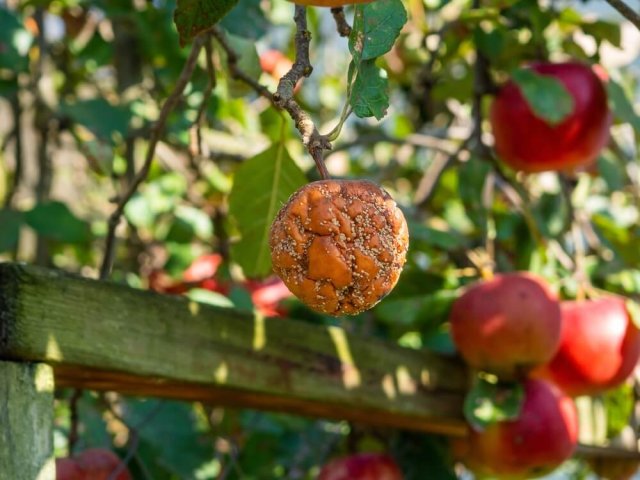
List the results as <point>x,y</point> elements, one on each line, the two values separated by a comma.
<point>68,469</point>
<point>275,63</point>
<point>614,468</point>
<point>528,143</point>
<point>266,295</point>
<point>91,464</point>
<point>543,436</point>
<point>599,347</point>
<point>362,466</point>
<point>507,325</point>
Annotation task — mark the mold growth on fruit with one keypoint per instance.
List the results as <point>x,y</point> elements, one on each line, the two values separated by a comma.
<point>339,245</point>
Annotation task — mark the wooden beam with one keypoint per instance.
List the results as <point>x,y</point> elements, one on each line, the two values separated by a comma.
<point>26,419</point>
<point>106,336</point>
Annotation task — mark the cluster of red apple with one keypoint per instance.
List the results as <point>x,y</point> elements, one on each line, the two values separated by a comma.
<point>266,295</point>
<point>92,464</point>
<point>514,326</point>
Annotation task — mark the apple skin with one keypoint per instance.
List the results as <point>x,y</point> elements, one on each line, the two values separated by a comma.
<point>91,464</point>
<point>68,469</point>
<point>507,325</point>
<point>527,143</point>
<point>267,296</point>
<point>614,468</point>
<point>599,348</point>
<point>275,63</point>
<point>540,439</point>
<point>362,466</point>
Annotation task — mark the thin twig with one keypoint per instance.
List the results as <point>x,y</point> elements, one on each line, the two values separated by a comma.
<point>434,172</point>
<point>315,143</point>
<point>74,420</point>
<point>235,71</point>
<point>312,139</point>
<point>134,433</point>
<point>344,29</point>
<point>626,11</point>
<point>156,132</point>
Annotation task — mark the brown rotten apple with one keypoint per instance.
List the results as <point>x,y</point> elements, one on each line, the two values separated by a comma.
<point>599,348</point>
<point>541,438</point>
<point>362,466</point>
<point>528,143</point>
<point>507,325</point>
<point>339,245</point>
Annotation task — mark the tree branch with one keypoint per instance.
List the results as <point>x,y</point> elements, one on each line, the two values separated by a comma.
<point>344,29</point>
<point>156,132</point>
<point>626,11</point>
<point>315,143</point>
<point>312,139</point>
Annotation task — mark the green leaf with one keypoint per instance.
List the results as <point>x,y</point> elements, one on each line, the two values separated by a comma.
<point>369,97</point>
<point>548,97</point>
<point>10,222</point>
<point>15,42</point>
<point>490,402</point>
<point>248,62</point>
<point>209,297</point>
<point>621,105</point>
<point>195,16</point>
<point>602,30</point>
<point>619,405</point>
<point>633,309</point>
<point>99,116</point>
<point>246,20</point>
<point>418,454</point>
<point>55,221</point>
<point>375,32</point>
<point>172,429</point>
<point>261,186</point>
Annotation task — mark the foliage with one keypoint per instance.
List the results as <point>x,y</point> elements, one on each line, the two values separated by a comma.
<point>83,83</point>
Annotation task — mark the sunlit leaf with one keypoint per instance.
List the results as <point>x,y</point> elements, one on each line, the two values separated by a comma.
<point>490,402</point>
<point>261,187</point>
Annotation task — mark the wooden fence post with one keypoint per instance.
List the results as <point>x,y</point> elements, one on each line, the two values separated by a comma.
<point>26,421</point>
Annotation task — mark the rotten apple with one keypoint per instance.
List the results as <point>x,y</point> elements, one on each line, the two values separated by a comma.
<point>543,436</point>
<point>530,144</point>
<point>599,347</point>
<point>362,466</point>
<point>507,325</point>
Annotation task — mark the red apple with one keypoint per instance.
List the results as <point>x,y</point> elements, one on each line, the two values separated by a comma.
<point>68,469</point>
<point>507,325</point>
<point>541,438</point>
<point>599,348</point>
<point>362,466</point>
<point>100,464</point>
<point>267,295</point>
<point>275,63</point>
<point>528,143</point>
<point>92,464</point>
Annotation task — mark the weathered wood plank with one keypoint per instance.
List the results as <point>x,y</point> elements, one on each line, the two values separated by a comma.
<point>105,336</point>
<point>26,421</point>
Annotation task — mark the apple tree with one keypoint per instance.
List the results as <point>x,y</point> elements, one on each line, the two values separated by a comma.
<point>154,144</point>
